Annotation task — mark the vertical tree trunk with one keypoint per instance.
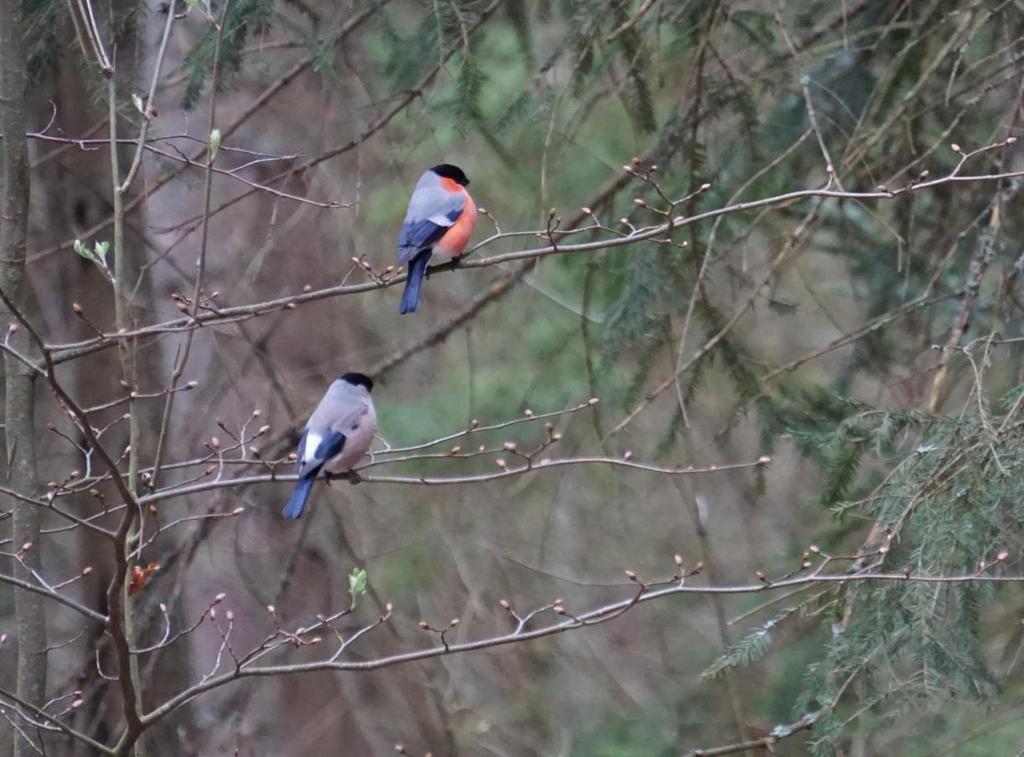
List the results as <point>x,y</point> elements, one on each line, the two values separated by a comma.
<point>19,405</point>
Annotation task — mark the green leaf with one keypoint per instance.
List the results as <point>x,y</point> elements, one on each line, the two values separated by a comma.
<point>85,252</point>
<point>357,583</point>
<point>214,143</point>
<point>101,249</point>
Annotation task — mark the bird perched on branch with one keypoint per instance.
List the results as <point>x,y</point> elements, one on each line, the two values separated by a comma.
<point>437,226</point>
<point>337,436</point>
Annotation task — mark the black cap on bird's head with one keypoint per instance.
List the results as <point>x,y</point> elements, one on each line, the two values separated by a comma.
<point>358,379</point>
<point>448,171</point>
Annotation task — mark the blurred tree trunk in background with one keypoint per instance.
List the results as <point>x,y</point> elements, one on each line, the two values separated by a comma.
<point>20,380</point>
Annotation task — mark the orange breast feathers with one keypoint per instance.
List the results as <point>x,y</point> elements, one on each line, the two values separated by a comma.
<point>454,241</point>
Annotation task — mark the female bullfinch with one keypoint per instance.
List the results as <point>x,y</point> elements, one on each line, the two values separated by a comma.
<point>337,436</point>
<point>438,226</point>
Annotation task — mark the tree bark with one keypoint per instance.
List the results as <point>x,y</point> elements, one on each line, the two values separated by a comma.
<point>19,382</point>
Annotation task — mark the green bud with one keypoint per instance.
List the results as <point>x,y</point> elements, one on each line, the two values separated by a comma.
<point>357,583</point>
<point>84,251</point>
<point>102,248</point>
<point>214,143</point>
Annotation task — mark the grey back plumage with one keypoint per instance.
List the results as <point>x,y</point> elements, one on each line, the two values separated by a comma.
<point>432,209</point>
<point>342,406</point>
<point>346,409</point>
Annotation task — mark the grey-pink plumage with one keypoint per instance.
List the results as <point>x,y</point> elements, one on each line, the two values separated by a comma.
<point>337,436</point>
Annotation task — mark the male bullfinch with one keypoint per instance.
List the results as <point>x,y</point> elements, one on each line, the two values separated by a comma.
<point>438,226</point>
<point>337,436</point>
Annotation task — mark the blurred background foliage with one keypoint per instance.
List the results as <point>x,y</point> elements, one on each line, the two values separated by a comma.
<point>806,331</point>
